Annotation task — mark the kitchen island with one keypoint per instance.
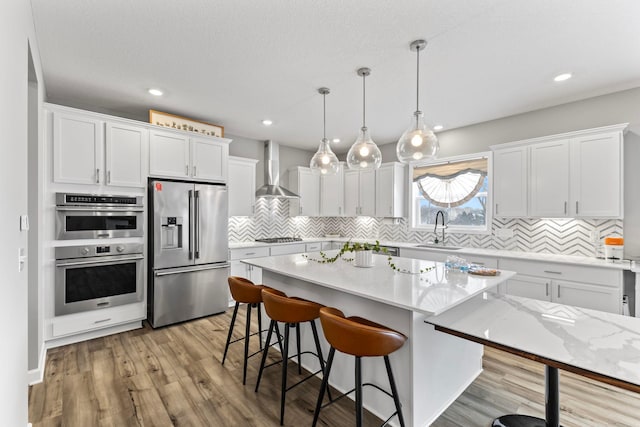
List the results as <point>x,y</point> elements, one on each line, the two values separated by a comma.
<point>432,369</point>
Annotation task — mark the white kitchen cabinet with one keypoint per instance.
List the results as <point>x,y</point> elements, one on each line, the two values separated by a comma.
<point>313,247</point>
<point>288,249</point>
<point>125,153</point>
<point>306,184</point>
<point>510,182</point>
<point>174,155</point>
<point>77,148</point>
<point>549,179</point>
<point>242,186</point>
<point>90,150</point>
<point>332,193</point>
<point>390,197</point>
<point>360,193</point>
<point>209,159</point>
<point>596,176</point>
<point>237,268</point>
<point>168,154</point>
<point>435,255</point>
<point>580,286</point>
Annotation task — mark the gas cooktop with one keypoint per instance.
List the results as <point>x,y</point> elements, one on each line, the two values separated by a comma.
<point>279,239</point>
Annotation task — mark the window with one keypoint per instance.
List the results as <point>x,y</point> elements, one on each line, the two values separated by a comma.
<point>460,187</point>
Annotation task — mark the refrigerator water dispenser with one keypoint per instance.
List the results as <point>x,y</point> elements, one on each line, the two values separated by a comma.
<point>171,234</point>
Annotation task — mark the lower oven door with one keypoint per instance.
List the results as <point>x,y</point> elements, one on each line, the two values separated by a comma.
<point>84,223</point>
<point>94,283</point>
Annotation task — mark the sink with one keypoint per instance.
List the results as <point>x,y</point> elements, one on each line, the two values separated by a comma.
<point>438,246</point>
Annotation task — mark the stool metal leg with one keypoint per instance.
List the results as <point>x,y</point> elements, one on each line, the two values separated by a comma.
<point>279,337</point>
<point>323,387</point>
<point>394,390</point>
<point>247,334</point>
<point>233,321</point>
<point>283,389</point>
<point>358,391</point>
<point>298,346</point>
<point>265,352</point>
<point>319,350</point>
<point>259,325</point>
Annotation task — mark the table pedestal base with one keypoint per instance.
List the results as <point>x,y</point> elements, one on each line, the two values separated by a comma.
<point>518,421</point>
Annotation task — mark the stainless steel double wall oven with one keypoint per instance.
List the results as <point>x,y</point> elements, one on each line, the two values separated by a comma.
<point>94,276</point>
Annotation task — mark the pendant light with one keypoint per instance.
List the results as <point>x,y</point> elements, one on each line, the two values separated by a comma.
<point>324,161</point>
<point>418,142</point>
<point>364,153</point>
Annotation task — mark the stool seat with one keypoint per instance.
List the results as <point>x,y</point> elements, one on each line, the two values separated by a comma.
<point>244,290</point>
<point>357,336</point>
<point>281,308</point>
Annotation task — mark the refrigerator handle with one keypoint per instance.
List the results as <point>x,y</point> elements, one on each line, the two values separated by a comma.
<point>196,224</point>
<point>190,224</point>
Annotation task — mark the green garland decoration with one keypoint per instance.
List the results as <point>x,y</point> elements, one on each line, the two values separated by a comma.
<point>357,246</point>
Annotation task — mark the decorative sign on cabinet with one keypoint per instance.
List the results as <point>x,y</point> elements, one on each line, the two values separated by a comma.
<point>242,186</point>
<point>575,175</point>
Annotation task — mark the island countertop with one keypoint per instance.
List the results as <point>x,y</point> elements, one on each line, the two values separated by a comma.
<point>433,292</point>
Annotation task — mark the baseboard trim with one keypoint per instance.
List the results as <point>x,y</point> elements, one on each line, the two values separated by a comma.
<point>35,376</point>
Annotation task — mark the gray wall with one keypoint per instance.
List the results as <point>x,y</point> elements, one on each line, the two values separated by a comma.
<point>619,107</point>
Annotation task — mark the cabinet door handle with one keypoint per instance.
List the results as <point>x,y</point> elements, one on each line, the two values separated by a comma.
<point>339,210</point>
<point>496,209</point>
<point>390,210</point>
<point>576,207</point>
<point>186,170</point>
<point>547,291</point>
<point>553,272</point>
<point>565,208</point>
<point>253,209</point>
<point>98,176</point>
<point>194,171</point>
<point>108,177</point>
<point>558,291</point>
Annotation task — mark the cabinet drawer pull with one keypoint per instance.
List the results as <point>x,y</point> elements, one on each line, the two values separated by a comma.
<point>553,272</point>
<point>102,321</point>
<point>477,262</point>
<point>250,253</point>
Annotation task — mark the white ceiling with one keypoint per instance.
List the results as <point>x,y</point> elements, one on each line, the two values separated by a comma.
<point>236,62</point>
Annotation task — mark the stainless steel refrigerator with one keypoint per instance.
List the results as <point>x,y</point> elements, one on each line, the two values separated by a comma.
<point>188,238</point>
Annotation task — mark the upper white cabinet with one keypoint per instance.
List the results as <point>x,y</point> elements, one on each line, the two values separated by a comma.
<point>332,193</point>
<point>549,179</point>
<point>577,175</point>
<point>360,193</point>
<point>306,184</point>
<point>125,151</point>
<point>242,186</point>
<point>89,150</point>
<point>175,155</point>
<point>510,174</point>
<point>390,198</point>
<point>596,175</point>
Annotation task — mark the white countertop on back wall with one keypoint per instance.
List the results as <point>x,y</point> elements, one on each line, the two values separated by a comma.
<point>497,253</point>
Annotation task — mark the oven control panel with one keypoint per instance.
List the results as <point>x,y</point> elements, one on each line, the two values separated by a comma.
<point>69,252</point>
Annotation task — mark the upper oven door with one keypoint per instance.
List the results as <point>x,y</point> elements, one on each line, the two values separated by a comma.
<point>94,223</point>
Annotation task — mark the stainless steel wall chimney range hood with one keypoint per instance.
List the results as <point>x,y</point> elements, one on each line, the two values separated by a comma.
<point>272,189</point>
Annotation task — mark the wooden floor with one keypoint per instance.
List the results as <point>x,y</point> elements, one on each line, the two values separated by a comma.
<point>173,376</point>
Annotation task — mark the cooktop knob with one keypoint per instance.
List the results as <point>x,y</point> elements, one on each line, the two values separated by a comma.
<point>84,251</point>
<point>119,248</point>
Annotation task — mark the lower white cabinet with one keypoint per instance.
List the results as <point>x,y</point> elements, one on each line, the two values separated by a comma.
<point>238,268</point>
<point>580,286</point>
<point>89,321</point>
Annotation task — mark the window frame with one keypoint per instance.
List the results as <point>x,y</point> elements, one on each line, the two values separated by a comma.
<point>414,206</point>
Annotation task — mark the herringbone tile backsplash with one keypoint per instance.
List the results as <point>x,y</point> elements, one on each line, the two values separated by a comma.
<point>561,236</point>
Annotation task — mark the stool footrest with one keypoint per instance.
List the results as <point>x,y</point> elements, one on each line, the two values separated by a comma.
<point>353,389</point>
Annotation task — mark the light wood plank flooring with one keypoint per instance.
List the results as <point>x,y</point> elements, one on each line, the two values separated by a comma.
<point>173,377</point>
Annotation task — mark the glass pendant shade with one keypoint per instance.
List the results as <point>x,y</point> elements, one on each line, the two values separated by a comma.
<point>364,153</point>
<point>418,142</point>
<point>325,161</point>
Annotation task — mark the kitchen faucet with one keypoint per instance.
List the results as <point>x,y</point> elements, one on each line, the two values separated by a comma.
<point>435,228</point>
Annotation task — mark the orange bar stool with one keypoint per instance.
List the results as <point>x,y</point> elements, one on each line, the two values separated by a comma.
<point>292,312</point>
<point>360,338</point>
<point>246,292</point>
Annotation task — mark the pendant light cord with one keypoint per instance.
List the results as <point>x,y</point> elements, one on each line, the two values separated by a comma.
<point>418,80</point>
<point>364,95</point>
<point>324,116</point>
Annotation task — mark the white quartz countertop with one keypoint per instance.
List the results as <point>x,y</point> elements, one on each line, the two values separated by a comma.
<point>603,343</point>
<point>429,293</point>
<point>462,252</point>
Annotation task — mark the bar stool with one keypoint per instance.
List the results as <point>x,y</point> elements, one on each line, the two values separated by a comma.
<point>245,291</point>
<point>292,311</point>
<point>360,338</point>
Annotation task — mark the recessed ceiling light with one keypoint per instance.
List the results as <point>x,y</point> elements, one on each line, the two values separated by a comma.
<point>156,92</point>
<point>335,140</point>
<point>267,122</point>
<point>562,77</point>
<point>438,127</point>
